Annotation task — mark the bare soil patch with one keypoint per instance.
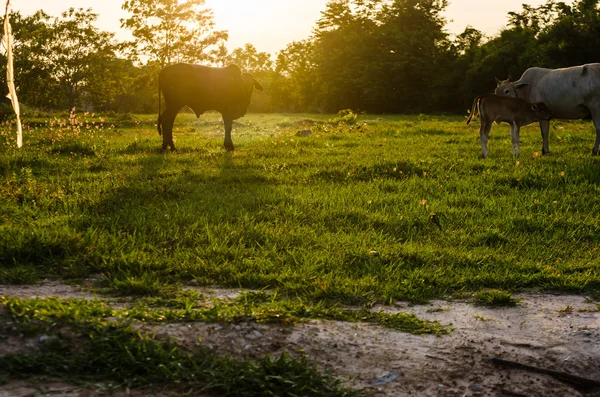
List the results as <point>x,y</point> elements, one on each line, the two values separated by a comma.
<point>557,332</point>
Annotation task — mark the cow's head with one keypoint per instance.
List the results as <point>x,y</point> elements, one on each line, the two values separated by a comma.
<point>251,83</point>
<point>506,88</point>
<point>245,85</point>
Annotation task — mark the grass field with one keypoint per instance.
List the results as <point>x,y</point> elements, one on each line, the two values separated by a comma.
<point>346,215</point>
<point>364,210</point>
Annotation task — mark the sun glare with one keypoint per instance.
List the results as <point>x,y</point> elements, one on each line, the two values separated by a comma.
<point>272,24</point>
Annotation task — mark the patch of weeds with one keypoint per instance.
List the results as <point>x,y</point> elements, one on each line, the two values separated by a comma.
<point>481,317</point>
<point>405,322</point>
<point>56,311</point>
<point>566,310</point>
<point>267,308</point>
<point>146,285</point>
<point>495,298</point>
<point>346,116</point>
<point>253,297</point>
<point>90,349</point>
<point>19,274</point>
<point>180,299</point>
<point>438,309</point>
<point>74,148</point>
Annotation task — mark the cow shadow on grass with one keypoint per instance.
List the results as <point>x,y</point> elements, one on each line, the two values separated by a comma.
<point>180,217</point>
<point>219,192</point>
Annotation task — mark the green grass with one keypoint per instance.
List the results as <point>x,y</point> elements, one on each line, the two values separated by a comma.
<point>495,298</point>
<point>268,309</point>
<point>81,346</point>
<point>302,215</point>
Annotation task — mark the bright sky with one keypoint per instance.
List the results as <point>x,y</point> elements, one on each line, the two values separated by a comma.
<point>272,24</point>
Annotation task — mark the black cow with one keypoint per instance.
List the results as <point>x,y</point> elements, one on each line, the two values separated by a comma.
<point>203,88</point>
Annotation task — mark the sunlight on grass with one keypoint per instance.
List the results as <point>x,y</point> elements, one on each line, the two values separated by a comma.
<point>301,215</point>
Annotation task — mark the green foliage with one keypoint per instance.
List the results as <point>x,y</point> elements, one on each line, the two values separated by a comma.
<point>249,59</point>
<point>168,31</point>
<point>376,56</point>
<point>368,55</point>
<point>346,116</point>
<point>58,61</point>
<point>495,298</point>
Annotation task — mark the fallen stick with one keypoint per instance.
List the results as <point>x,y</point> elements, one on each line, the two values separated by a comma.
<point>577,381</point>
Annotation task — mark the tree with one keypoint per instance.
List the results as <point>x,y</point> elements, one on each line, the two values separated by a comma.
<point>573,38</point>
<point>249,59</point>
<point>33,80</point>
<point>294,87</point>
<point>380,56</point>
<point>168,31</point>
<point>76,51</point>
<point>413,47</point>
<point>56,59</point>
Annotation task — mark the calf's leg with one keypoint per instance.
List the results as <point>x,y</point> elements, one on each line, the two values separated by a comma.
<point>514,136</point>
<point>545,128</point>
<point>484,133</point>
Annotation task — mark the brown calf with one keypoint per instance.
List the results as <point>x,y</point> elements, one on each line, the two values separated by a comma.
<point>514,111</point>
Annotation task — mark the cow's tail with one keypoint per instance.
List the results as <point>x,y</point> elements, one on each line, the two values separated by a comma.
<point>474,109</point>
<point>158,122</point>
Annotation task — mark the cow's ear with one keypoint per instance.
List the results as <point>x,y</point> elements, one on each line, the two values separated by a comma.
<point>519,86</point>
<point>498,81</point>
<point>257,85</point>
<point>234,70</point>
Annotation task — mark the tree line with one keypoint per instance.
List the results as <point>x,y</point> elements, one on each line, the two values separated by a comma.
<point>376,56</point>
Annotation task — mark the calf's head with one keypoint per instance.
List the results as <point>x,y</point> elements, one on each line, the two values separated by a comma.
<point>507,88</point>
<point>540,111</point>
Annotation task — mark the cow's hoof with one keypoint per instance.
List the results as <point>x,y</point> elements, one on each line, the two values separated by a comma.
<point>229,148</point>
<point>545,151</point>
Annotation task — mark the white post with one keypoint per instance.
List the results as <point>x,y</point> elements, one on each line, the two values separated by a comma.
<point>10,75</point>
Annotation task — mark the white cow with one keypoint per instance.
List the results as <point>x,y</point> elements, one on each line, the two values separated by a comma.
<point>569,93</point>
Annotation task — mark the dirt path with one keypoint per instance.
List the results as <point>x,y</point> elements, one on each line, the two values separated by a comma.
<point>551,331</point>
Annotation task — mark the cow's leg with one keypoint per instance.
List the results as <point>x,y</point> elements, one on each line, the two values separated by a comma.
<point>514,136</point>
<point>484,133</point>
<point>228,143</point>
<point>596,119</point>
<point>167,118</point>
<point>545,128</point>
